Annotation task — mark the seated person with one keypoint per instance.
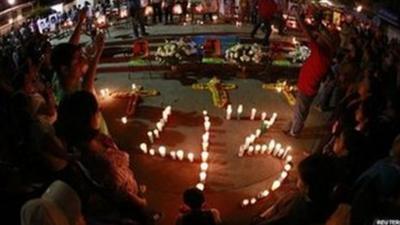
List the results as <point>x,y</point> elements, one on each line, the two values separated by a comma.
<point>194,212</point>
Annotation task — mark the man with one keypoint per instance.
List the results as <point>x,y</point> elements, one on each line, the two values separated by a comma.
<point>313,71</point>
<point>135,11</point>
<point>156,4</point>
<point>266,11</point>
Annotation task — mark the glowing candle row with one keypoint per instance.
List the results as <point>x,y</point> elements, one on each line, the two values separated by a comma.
<point>253,113</point>
<point>272,148</point>
<point>274,186</point>
<point>204,153</point>
<point>159,125</point>
<point>163,153</point>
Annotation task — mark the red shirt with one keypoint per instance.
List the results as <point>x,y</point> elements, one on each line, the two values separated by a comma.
<point>267,9</point>
<point>313,70</point>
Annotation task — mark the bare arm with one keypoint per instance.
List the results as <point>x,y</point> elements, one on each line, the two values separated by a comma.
<point>76,36</point>
<point>88,80</point>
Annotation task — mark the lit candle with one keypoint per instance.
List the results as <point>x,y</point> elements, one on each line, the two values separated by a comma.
<point>267,124</point>
<point>263,116</point>
<point>152,152</point>
<point>165,117</point>
<point>250,150</point>
<point>284,174</point>
<point>241,151</point>
<point>103,93</point>
<point>253,114</point>
<point>287,167</point>
<point>190,157</point>
<point>134,87</point>
<point>150,135</point>
<point>202,176</point>
<point>278,147</point>
<point>200,186</point>
<point>205,113</point>
<point>281,152</point>
<point>204,146</point>
<point>257,149</point>
<point>289,158</point>
<point>264,148</point>
<point>264,194</point>
<point>172,154</point>
<point>204,166</point>
<point>207,125</point>
<point>156,133</point>
<point>168,109</point>
<point>258,133</point>
<point>229,112</point>
<point>159,126</point>
<point>253,201</point>
<point>245,202</point>
<point>275,185</point>
<point>180,154</point>
<point>124,120</point>
<point>162,150</point>
<point>252,138</point>
<point>206,137</point>
<point>271,146</point>
<point>143,147</point>
<point>204,156</point>
<point>207,119</point>
<point>239,111</point>
<point>273,118</point>
<point>287,150</point>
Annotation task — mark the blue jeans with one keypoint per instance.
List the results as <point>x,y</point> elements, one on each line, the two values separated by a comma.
<point>300,113</point>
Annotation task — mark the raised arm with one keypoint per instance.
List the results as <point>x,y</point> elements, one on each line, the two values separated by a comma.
<point>303,26</point>
<point>88,80</point>
<point>76,36</point>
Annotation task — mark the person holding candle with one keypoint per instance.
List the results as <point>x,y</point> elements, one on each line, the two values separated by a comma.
<point>313,71</point>
<point>194,212</point>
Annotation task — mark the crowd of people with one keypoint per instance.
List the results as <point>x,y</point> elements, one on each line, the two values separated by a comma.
<point>62,159</point>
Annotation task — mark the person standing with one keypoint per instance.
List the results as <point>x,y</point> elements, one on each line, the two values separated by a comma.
<point>313,71</point>
<point>136,13</point>
<point>266,11</point>
<point>156,4</point>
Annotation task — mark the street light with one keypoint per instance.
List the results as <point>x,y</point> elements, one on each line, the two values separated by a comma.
<point>11,2</point>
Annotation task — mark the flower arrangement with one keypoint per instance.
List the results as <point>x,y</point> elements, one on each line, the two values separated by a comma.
<point>300,53</point>
<point>172,52</point>
<point>240,54</point>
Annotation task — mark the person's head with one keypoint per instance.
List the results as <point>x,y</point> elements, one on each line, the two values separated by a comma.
<point>317,176</point>
<point>69,63</point>
<point>348,140</point>
<point>59,205</point>
<point>78,117</point>
<point>193,198</point>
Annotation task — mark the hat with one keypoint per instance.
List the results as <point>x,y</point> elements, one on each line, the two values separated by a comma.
<point>59,205</point>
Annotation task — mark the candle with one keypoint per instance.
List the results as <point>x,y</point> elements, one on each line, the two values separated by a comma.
<point>284,174</point>
<point>162,150</point>
<point>258,133</point>
<point>281,152</point>
<point>278,147</point>
<point>273,118</point>
<point>205,137</point>
<point>134,87</point>
<point>245,202</point>
<point>287,167</point>
<point>275,185</point>
<point>207,119</point>
<point>253,114</point>
<point>204,156</point>
<point>150,135</point>
<point>253,201</point>
<point>124,120</point>
<point>252,138</point>
<point>241,151</point>
<point>143,147</point>
<point>159,126</point>
<point>264,194</point>
<point>180,154</point>
<point>164,117</point>
<point>271,146</point>
<point>289,158</point>
<point>263,116</point>
<point>200,186</point>
<point>202,176</point>
<point>251,149</point>
<point>205,113</point>
<point>264,148</point>
<point>287,150</point>
<point>168,109</point>
<point>229,112</point>
<point>257,149</point>
<point>156,133</point>
<point>152,152</point>
<point>190,157</point>
<point>204,146</point>
<point>239,111</point>
<point>204,166</point>
<point>207,125</point>
<point>172,154</point>
<point>267,124</point>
